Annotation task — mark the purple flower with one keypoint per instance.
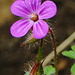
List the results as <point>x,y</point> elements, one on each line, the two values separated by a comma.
<point>33,13</point>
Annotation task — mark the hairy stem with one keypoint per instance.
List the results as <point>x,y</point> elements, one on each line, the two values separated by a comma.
<point>55,52</point>
<point>40,51</point>
<point>40,69</point>
<point>60,48</point>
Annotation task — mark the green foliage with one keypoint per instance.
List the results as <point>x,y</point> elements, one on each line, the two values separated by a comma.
<point>73,69</point>
<point>70,53</point>
<point>73,48</point>
<point>48,70</point>
<point>27,73</point>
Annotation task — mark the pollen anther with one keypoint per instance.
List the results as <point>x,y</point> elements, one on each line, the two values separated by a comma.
<point>34,17</point>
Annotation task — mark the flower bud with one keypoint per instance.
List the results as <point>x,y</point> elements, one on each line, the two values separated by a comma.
<point>29,40</point>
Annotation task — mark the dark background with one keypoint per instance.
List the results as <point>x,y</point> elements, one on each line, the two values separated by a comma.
<point>12,56</point>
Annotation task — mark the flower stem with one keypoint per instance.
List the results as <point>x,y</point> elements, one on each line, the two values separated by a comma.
<point>55,52</point>
<point>40,51</point>
<point>40,69</point>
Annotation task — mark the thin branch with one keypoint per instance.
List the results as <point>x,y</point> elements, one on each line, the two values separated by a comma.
<point>61,47</point>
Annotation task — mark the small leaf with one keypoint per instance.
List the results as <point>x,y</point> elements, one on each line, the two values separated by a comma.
<point>73,48</point>
<point>70,54</point>
<point>48,70</point>
<point>27,73</point>
<point>73,69</point>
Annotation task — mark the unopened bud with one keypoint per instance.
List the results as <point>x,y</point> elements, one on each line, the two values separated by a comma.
<point>29,40</point>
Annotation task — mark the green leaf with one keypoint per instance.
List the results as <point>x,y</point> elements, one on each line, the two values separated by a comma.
<point>70,54</point>
<point>73,69</point>
<point>27,73</point>
<point>48,70</point>
<point>73,48</point>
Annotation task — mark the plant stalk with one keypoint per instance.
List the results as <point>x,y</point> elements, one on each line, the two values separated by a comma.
<point>40,69</point>
<point>55,52</point>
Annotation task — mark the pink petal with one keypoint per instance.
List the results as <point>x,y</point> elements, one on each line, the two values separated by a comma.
<point>33,5</point>
<point>19,0</point>
<point>20,28</point>
<point>18,8</point>
<point>40,29</point>
<point>47,10</point>
<point>36,1</point>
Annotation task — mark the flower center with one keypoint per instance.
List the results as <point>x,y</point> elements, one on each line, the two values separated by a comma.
<point>34,17</point>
